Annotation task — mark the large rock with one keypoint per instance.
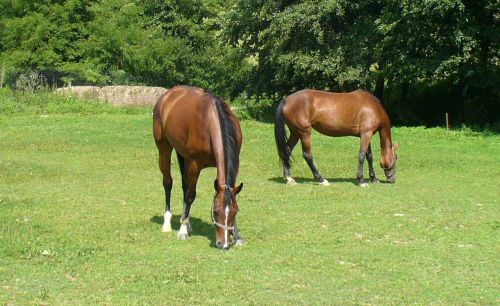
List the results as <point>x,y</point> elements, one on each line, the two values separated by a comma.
<point>81,92</point>
<point>131,95</point>
<point>116,95</point>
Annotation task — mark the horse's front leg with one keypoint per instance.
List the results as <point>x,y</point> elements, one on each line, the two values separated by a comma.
<point>236,235</point>
<point>363,149</point>
<point>193,171</point>
<point>369,158</point>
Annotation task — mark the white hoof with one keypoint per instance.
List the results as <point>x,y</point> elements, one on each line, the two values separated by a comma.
<point>363,185</point>
<point>290,181</point>
<point>166,223</point>
<point>183,232</point>
<point>166,228</point>
<point>324,183</point>
<point>239,242</point>
<point>182,236</point>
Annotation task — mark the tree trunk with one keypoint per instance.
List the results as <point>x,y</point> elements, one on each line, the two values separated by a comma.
<point>405,87</point>
<point>379,89</point>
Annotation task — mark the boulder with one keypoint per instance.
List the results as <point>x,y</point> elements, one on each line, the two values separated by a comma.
<point>131,95</point>
<point>116,95</point>
<point>81,92</point>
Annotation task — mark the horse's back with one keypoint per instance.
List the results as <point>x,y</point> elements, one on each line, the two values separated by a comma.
<point>177,97</point>
<point>335,114</point>
<point>180,116</point>
<point>186,118</point>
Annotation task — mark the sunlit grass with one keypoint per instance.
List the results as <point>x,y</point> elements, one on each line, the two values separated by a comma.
<point>81,206</point>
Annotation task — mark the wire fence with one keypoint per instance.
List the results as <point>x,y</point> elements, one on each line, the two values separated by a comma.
<point>34,79</point>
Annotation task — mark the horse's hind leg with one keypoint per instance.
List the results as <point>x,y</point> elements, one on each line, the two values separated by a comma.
<point>192,173</point>
<point>292,141</point>
<point>165,151</point>
<point>305,139</point>
<point>369,158</point>
<point>363,149</point>
<point>182,168</point>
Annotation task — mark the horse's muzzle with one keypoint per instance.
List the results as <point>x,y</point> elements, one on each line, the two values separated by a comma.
<point>221,246</point>
<point>391,175</point>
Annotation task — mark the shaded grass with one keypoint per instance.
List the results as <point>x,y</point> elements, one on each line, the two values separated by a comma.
<point>81,204</point>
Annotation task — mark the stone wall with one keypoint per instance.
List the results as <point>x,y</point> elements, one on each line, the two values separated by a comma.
<point>116,95</point>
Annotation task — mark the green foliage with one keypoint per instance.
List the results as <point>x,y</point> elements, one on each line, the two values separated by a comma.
<point>344,45</point>
<point>267,49</point>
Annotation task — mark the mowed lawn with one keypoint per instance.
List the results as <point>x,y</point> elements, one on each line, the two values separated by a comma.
<point>81,207</point>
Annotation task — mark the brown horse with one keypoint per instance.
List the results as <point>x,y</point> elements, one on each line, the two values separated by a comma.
<point>355,113</point>
<point>204,133</point>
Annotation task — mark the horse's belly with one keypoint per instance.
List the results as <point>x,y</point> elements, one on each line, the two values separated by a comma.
<point>337,130</point>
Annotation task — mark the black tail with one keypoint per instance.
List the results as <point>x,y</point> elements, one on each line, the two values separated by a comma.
<point>280,136</point>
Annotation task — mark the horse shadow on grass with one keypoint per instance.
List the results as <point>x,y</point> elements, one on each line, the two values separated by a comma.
<point>200,228</point>
<point>308,180</point>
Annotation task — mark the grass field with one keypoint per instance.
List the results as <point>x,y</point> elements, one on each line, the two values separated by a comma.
<point>81,206</point>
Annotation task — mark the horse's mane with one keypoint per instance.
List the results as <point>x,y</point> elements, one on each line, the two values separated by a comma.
<point>229,142</point>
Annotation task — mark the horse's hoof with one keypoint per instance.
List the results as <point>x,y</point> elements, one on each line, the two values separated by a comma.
<point>239,242</point>
<point>324,183</point>
<point>166,229</point>
<point>374,181</point>
<point>182,236</point>
<point>363,185</point>
<point>290,181</point>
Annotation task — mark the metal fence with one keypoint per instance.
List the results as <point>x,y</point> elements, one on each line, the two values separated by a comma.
<point>32,79</point>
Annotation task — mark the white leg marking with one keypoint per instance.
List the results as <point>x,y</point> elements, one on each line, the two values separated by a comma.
<point>188,222</point>
<point>324,183</point>
<point>226,236</point>
<point>166,224</point>
<point>183,232</point>
<point>290,181</point>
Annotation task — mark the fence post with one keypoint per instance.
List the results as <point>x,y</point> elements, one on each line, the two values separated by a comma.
<point>447,122</point>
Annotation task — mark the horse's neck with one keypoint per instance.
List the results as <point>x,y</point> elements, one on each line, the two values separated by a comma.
<point>217,147</point>
<point>386,146</point>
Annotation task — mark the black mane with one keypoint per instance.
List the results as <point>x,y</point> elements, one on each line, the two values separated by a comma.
<point>229,142</point>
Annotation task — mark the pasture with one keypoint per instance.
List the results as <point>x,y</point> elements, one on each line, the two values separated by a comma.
<point>81,207</point>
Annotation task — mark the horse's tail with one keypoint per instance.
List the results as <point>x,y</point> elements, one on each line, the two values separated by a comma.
<point>280,136</point>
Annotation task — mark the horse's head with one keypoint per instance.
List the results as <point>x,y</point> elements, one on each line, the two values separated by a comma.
<point>224,210</point>
<point>390,168</point>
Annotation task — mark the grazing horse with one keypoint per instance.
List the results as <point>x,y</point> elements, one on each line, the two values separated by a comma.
<point>356,113</point>
<point>204,132</point>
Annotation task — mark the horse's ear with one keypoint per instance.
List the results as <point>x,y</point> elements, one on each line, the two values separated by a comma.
<point>396,147</point>
<point>238,188</point>
<point>216,185</point>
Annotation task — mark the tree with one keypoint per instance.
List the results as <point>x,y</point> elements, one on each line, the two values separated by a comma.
<point>386,46</point>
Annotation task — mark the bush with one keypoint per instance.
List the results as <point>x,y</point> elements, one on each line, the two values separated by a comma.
<point>257,109</point>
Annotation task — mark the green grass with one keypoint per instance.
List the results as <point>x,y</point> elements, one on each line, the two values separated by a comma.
<point>81,206</point>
